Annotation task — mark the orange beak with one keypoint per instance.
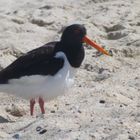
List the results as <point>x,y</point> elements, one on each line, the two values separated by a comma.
<point>96,46</point>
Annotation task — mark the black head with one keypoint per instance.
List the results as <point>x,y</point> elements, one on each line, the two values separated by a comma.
<point>73,35</point>
<point>71,43</point>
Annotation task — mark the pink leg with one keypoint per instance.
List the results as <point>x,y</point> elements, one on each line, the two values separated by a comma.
<point>32,103</point>
<point>41,104</point>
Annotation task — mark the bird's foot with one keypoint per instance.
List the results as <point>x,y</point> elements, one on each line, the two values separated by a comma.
<point>41,104</point>
<point>32,103</point>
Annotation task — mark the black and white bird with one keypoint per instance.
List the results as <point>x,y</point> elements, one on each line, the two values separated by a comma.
<point>47,71</point>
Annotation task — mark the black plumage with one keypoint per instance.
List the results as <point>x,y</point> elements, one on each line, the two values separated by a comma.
<point>42,61</point>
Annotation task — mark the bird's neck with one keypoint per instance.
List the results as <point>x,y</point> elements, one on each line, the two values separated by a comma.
<point>74,53</point>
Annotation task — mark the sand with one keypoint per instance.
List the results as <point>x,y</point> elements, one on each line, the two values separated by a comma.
<point>104,102</point>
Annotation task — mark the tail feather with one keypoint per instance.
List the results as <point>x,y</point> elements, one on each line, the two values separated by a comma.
<point>3,80</point>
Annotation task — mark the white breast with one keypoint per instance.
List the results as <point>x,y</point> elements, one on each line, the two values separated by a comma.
<point>47,87</point>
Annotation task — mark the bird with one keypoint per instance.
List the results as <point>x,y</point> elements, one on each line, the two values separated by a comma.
<point>47,71</point>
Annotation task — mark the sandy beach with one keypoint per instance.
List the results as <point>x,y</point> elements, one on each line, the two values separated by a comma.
<point>104,103</point>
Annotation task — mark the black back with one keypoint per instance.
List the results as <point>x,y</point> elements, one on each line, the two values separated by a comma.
<point>42,61</point>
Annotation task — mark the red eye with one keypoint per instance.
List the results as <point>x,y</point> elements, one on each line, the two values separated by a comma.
<point>76,31</point>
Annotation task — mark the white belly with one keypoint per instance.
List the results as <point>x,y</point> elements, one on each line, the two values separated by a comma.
<point>47,87</point>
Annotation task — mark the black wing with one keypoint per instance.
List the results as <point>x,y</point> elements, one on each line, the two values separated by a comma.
<point>40,61</point>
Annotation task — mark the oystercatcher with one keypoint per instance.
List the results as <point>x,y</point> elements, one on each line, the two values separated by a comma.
<point>47,71</point>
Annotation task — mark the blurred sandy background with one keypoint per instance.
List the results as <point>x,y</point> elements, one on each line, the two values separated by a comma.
<point>104,104</point>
